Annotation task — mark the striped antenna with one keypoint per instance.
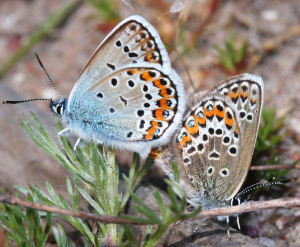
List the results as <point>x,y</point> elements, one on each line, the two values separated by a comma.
<point>47,74</point>
<point>21,101</point>
<point>30,100</point>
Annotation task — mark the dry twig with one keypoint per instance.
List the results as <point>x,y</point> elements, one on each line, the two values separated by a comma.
<point>251,206</point>
<point>243,208</point>
<point>273,167</point>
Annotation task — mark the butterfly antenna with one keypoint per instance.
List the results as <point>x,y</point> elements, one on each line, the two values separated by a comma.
<point>47,74</point>
<point>255,186</point>
<point>22,101</point>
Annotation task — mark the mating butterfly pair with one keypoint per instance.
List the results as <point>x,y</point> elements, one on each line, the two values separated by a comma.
<point>129,97</point>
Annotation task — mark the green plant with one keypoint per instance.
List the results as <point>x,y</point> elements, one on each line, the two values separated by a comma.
<point>25,227</point>
<point>230,57</point>
<point>267,139</point>
<point>94,175</point>
<point>109,9</point>
<point>169,214</point>
<point>268,134</point>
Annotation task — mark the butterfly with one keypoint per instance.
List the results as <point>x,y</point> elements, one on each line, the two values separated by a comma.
<point>127,95</point>
<point>214,145</point>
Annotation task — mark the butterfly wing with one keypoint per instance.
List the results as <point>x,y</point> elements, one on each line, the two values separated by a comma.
<point>139,106</point>
<point>132,41</point>
<point>213,148</point>
<point>128,94</point>
<point>246,92</point>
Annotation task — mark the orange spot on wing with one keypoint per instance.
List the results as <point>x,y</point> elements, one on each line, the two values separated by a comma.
<point>151,130</point>
<point>192,130</point>
<point>149,58</point>
<point>163,104</point>
<point>184,141</point>
<point>133,71</point>
<point>244,94</point>
<point>210,113</point>
<point>148,137</point>
<point>201,121</point>
<point>252,100</point>
<point>233,95</point>
<point>236,129</point>
<point>228,121</point>
<point>219,114</point>
<point>163,89</point>
<point>159,114</point>
<point>146,76</point>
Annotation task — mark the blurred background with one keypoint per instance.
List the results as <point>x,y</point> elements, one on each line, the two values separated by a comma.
<point>207,40</point>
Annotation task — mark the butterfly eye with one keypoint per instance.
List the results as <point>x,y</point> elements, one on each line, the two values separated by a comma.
<point>59,109</point>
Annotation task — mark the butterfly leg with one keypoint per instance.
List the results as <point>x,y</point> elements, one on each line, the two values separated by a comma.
<point>65,132</point>
<point>99,142</point>
<point>79,143</point>
<point>227,219</point>
<point>237,217</point>
<point>228,230</point>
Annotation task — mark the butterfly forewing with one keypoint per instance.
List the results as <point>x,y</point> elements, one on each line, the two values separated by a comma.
<point>133,41</point>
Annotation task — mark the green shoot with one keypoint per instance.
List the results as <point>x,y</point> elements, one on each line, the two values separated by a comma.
<point>230,57</point>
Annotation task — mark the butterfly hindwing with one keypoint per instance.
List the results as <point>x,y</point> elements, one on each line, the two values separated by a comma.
<point>209,143</point>
<point>135,105</point>
<point>245,91</point>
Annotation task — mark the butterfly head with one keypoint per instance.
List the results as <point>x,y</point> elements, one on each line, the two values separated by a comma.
<point>58,106</point>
